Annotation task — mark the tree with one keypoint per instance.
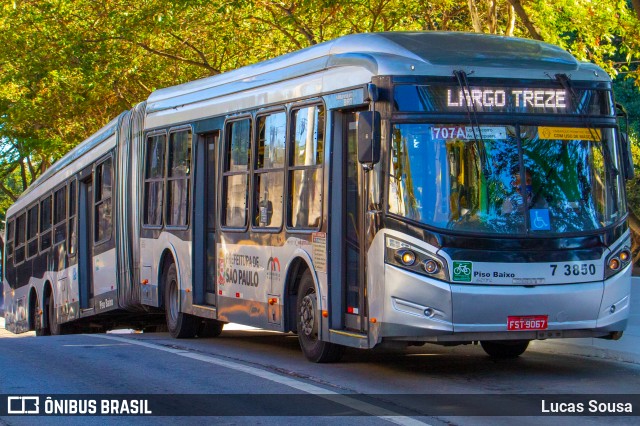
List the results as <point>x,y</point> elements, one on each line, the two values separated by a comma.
<point>69,66</point>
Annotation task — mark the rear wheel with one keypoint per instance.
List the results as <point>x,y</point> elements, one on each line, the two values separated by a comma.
<point>38,321</point>
<point>179,324</point>
<point>54,327</point>
<point>308,323</point>
<point>504,350</point>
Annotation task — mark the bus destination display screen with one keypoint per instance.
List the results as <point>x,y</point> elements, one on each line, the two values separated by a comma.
<point>518,100</point>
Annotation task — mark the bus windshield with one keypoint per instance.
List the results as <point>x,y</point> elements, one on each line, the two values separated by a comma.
<point>506,179</point>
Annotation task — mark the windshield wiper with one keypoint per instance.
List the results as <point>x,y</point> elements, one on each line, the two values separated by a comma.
<point>565,82</point>
<point>472,114</point>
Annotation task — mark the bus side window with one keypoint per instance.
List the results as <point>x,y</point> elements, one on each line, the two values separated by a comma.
<point>59,215</point>
<point>32,231</point>
<point>154,180</point>
<point>305,168</point>
<point>71,234</point>
<point>8,253</point>
<point>236,174</point>
<point>9,243</point>
<point>178,172</point>
<point>102,208</point>
<point>45,223</point>
<point>20,239</point>
<point>269,171</point>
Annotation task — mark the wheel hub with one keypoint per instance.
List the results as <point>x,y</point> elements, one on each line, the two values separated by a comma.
<point>307,315</point>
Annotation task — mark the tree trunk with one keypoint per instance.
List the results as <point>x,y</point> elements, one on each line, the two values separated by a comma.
<point>23,175</point>
<point>493,16</point>
<point>524,17</point>
<point>475,18</point>
<point>511,22</point>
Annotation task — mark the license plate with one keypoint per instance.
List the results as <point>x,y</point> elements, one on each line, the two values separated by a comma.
<point>531,322</point>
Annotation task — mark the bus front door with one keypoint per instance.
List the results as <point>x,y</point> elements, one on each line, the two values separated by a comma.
<point>355,315</point>
<point>204,237</point>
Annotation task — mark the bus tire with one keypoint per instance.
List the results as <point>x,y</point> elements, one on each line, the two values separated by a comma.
<point>54,327</point>
<point>308,323</point>
<point>210,328</point>
<point>179,324</point>
<point>505,350</point>
<point>38,321</point>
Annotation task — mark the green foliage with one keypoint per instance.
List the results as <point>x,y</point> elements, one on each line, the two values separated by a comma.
<point>628,95</point>
<point>69,66</point>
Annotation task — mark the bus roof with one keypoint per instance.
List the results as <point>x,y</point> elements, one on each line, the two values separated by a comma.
<point>391,53</point>
<point>80,150</point>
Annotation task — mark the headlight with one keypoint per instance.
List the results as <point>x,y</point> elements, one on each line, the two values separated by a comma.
<point>618,261</point>
<point>625,255</point>
<point>404,255</point>
<point>430,266</point>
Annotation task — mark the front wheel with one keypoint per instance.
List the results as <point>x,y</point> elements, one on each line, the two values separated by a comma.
<point>505,350</point>
<point>179,324</point>
<point>308,323</point>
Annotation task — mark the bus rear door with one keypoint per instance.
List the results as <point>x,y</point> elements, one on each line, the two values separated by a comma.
<point>204,237</point>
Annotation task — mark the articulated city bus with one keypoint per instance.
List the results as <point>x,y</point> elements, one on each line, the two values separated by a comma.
<point>391,188</point>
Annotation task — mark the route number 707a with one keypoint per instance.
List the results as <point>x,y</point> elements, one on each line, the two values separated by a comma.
<point>574,269</point>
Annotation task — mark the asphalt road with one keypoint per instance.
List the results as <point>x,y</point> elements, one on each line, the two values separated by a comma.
<point>255,365</point>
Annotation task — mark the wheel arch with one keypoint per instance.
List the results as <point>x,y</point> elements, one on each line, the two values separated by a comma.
<point>294,270</point>
<point>167,257</point>
<point>47,292</point>
<point>33,298</point>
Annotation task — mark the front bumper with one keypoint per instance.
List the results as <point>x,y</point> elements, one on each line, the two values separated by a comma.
<point>417,308</point>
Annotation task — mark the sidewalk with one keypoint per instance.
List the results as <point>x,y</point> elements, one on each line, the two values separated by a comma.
<point>626,349</point>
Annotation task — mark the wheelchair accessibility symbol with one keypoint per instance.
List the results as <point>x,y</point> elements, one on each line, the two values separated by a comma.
<point>539,219</point>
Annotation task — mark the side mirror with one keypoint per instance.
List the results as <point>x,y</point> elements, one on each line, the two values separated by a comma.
<point>369,137</point>
<point>627,156</point>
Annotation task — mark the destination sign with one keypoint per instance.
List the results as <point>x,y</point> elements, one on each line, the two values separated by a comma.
<point>500,99</point>
<point>468,132</point>
<point>540,98</point>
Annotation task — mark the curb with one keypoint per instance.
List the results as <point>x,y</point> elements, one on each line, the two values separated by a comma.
<point>585,349</point>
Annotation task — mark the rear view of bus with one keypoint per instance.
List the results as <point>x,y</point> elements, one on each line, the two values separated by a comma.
<point>501,211</point>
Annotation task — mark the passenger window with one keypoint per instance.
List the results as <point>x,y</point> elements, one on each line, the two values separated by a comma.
<point>154,180</point>
<point>178,172</point>
<point>9,246</point>
<point>32,232</point>
<point>71,224</point>
<point>305,168</point>
<point>60,215</point>
<point>236,173</point>
<point>269,172</point>
<point>45,223</point>
<point>20,239</point>
<point>102,209</point>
